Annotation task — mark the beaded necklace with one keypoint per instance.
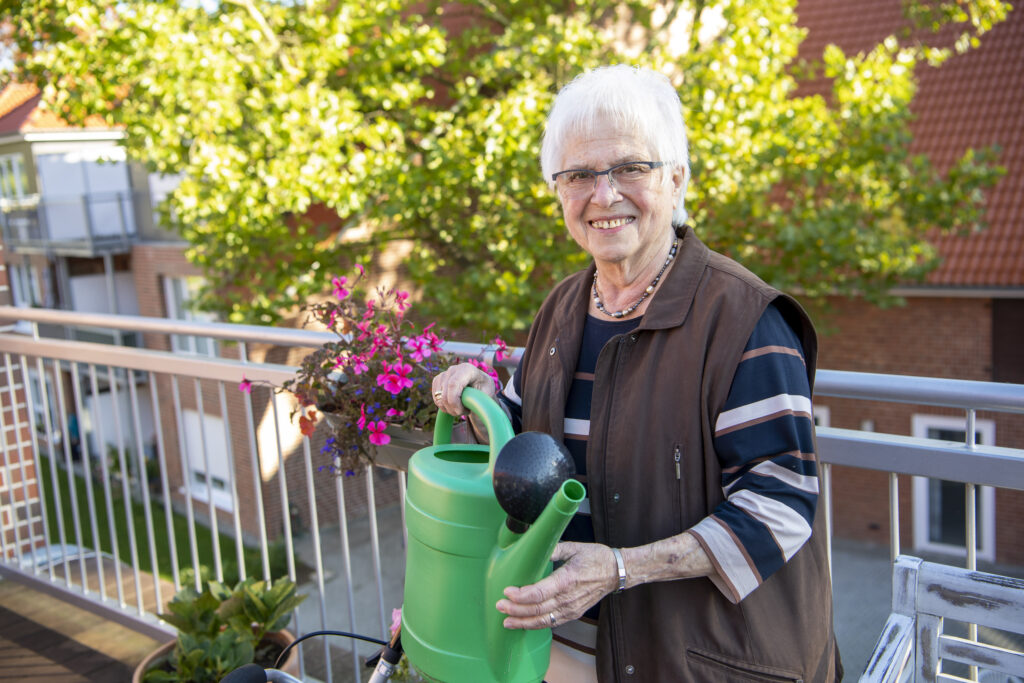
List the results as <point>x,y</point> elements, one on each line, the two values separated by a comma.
<point>647,292</point>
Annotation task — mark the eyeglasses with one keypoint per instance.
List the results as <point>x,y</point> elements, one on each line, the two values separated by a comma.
<point>630,175</point>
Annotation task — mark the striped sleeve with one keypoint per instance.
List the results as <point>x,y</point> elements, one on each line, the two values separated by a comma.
<point>764,438</point>
<point>509,397</point>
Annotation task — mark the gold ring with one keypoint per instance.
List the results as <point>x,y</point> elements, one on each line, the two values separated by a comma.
<point>438,394</point>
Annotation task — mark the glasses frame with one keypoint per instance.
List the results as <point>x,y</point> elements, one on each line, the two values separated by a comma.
<point>651,165</point>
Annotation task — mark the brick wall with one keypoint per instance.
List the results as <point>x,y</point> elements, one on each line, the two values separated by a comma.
<point>20,510</point>
<point>935,337</point>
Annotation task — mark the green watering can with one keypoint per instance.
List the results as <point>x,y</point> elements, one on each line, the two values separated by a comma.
<point>465,547</point>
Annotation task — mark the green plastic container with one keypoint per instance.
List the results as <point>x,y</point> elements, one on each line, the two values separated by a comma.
<point>461,556</point>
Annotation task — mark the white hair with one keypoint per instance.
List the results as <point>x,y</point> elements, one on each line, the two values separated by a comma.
<point>634,99</point>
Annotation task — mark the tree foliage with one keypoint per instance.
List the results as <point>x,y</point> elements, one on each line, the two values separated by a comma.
<point>422,122</point>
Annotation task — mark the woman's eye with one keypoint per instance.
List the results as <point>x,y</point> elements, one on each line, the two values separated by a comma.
<point>580,176</point>
<point>632,170</point>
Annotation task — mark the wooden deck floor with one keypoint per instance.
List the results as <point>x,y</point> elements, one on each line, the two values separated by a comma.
<point>44,638</point>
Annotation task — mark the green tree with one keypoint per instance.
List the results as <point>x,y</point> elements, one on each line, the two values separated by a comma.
<point>422,122</point>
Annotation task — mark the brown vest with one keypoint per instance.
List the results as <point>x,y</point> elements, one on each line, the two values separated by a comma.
<point>656,391</point>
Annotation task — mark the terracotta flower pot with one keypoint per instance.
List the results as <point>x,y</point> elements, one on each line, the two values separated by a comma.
<point>157,656</point>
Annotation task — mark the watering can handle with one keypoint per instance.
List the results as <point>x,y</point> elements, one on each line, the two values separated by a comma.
<point>499,429</point>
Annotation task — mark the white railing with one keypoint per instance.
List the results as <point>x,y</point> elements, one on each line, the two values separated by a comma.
<point>185,409</point>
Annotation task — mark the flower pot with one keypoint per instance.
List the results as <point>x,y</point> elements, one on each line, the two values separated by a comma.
<point>157,656</point>
<point>404,442</point>
<point>396,453</point>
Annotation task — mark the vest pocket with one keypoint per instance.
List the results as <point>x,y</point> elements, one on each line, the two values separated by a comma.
<point>705,665</point>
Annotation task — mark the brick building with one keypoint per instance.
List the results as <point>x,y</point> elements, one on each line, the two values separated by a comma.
<point>967,320</point>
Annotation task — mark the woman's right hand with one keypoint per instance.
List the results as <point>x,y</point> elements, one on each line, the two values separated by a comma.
<point>447,387</point>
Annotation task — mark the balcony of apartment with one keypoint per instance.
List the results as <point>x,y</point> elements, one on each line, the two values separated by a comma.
<point>229,464</point>
<point>82,225</point>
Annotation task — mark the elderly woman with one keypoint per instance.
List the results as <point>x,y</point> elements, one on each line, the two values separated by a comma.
<point>681,385</point>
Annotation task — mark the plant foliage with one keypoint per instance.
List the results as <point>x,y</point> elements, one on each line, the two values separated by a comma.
<point>293,123</point>
<point>376,374</point>
<point>221,629</point>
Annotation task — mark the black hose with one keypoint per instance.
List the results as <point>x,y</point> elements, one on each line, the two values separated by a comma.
<point>281,657</point>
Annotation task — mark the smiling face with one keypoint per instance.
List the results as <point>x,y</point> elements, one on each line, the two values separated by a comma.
<point>630,229</point>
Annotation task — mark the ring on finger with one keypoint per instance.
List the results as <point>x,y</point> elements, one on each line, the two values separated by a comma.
<point>438,394</point>
<point>551,618</point>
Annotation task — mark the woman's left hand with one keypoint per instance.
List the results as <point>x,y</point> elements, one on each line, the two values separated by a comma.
<point>589,574</point>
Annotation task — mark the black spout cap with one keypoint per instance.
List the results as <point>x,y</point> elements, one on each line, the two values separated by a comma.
<point>530,468</point>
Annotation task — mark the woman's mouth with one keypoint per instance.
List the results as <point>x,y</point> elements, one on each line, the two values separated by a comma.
<point>611,223</point>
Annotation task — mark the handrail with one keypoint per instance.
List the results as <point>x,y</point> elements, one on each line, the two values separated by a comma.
<point>954,393</point>
<point>259,334</point>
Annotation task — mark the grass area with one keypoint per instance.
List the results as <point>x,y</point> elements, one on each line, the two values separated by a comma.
<point>204,537</point>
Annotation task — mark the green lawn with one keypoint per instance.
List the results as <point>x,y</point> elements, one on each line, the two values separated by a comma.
<point>204,538</point>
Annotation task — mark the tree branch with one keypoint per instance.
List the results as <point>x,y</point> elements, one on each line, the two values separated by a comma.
<point>269,34</point>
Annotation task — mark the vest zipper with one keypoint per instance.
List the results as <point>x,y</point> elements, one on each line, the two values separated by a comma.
<point>678,456</point>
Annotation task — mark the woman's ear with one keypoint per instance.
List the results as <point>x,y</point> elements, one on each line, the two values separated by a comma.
<point>678,185</point>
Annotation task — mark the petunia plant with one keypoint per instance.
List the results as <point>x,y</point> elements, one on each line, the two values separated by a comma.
<point>374,377</point>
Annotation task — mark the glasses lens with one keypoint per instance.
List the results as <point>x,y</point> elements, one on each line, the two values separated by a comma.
<point>576,182</point>
<point>631,175</point>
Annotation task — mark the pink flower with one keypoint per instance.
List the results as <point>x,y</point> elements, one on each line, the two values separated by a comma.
<point>502,351</point>
<point>361,422</point>
<point>402,301</point>
<point>395,377</point>
<point>433,340</point>
<point>339,287</point>
<point>360,269</point>
<point>420,348</point>
<point>358,366</point>
<point>377,435</point>
<point>245,386</point>
<point>396,620</point>
<point>369,310</point>
<point>395,413</point>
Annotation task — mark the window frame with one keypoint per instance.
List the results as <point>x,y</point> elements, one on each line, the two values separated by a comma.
<point>986,521</point>
<point>178,291</point>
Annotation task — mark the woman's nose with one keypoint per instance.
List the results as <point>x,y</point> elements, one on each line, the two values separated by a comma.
<point>605,192</point>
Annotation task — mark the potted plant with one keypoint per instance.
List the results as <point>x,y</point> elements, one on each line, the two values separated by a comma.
<point>372,384</point>
<point>221,629</point>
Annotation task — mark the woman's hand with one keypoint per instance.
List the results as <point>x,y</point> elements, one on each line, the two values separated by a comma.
<point>447,387</point>
<point>589,574</point>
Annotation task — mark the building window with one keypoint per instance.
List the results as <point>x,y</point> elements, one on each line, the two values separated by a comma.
<point>1007,330</point>
<point>205,443</point>
<point>178,292</point>
<point>25,289</point>
<point>940,506</point>
<point>46,415</point>
<point>13,179</point>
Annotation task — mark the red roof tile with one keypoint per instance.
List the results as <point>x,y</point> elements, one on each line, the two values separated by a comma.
<point>20,111</point>
<point>974,100</point>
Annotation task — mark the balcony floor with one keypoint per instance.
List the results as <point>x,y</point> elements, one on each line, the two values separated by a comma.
<point>43,638</point>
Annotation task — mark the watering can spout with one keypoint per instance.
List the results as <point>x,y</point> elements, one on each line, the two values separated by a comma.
<point>520,559</point>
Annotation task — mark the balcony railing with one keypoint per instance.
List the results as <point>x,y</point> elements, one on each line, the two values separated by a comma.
<point>176,414</point>
<point>74,225</point>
